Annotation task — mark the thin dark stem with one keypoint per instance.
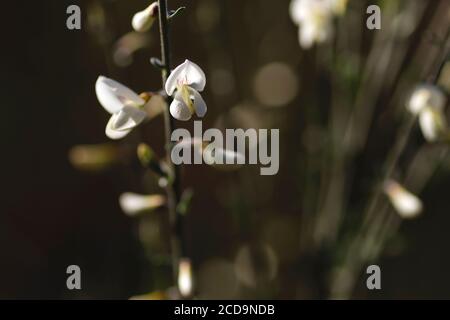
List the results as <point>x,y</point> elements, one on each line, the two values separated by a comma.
<point>173,185</point>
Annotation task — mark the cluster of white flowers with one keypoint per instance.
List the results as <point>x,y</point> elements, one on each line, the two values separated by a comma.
<point>428,103</point>
<point>315,19</point>
<point>126,106</point>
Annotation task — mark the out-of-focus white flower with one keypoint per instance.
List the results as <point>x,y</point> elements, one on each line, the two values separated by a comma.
<point>184,84</point>
<point>185,281</point>
<point>432,123</point>
<point>133,204</point>
<point>215,156</point>
<point>124,105</point>
<point>143,20</point>
<point>218,156</point>
<point>405,203</point>
<point>428,102</point>
<point>314,18</point>
<point>95,157</point>
<point>426,96</point>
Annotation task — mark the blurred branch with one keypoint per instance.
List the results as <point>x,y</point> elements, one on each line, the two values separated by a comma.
<point>379,222</point>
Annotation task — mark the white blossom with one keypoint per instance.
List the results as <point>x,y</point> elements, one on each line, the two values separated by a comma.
<point>405,203</point>
<point>185,282</point>
<point>122,103</point>
<point>143,20</point>
<point>210,154</point>
<point>184,84</point>
<point>315,19</point>
<point>217,156</point>
<point>426,96</point>
<point>427,102</point>
<point>133,203</point>
<point>433,124</point>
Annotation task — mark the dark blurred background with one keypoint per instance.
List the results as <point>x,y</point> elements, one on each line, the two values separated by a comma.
<point>53,215</point>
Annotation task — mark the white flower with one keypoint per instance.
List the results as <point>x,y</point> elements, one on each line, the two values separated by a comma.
<point>217,156</point>
<point>428,102</point>
<point>211,155</point>
<point>314,18</point>
<point>124,105</point>
<point>426,96</point>
<point>143,20</point>
<point>184,84</point>
<point>405,203</point>
<point>132,203</point>
<point>185,283</point>
<point>432,123</point>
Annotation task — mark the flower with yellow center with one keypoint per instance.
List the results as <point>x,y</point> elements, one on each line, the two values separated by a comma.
<point>184,84</point>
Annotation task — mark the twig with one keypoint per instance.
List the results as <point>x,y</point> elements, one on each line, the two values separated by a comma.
<point>173,185</point>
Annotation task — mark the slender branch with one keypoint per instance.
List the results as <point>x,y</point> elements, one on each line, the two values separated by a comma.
<point>173,185</point>
<point>360,250</point>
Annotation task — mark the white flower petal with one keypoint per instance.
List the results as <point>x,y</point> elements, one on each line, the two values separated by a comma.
<point>112,133</point>
<point>426,95</point>
<point>199,103</point>
<point>297,10</point>
<point>132,203</point>
<point>187,73</point>
<point>222,156</point>
<point>193,142</point>
<point>113,96</point>
<point>314,18</point>
<point>311,33</point>
<point>179,110</point>
<point>128,118</point>
<point>405,203</point>
<point>432,123</point>
<point>306,37</point>
<point>143,20</point>
<point>185,283</point>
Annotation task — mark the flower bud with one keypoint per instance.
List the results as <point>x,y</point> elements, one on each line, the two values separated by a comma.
<point>94,157</point>
<point>405,203</point>
<point>133,204</point>
<point>185,283</point>
<point>145,154</point>
<point>143,20</point>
